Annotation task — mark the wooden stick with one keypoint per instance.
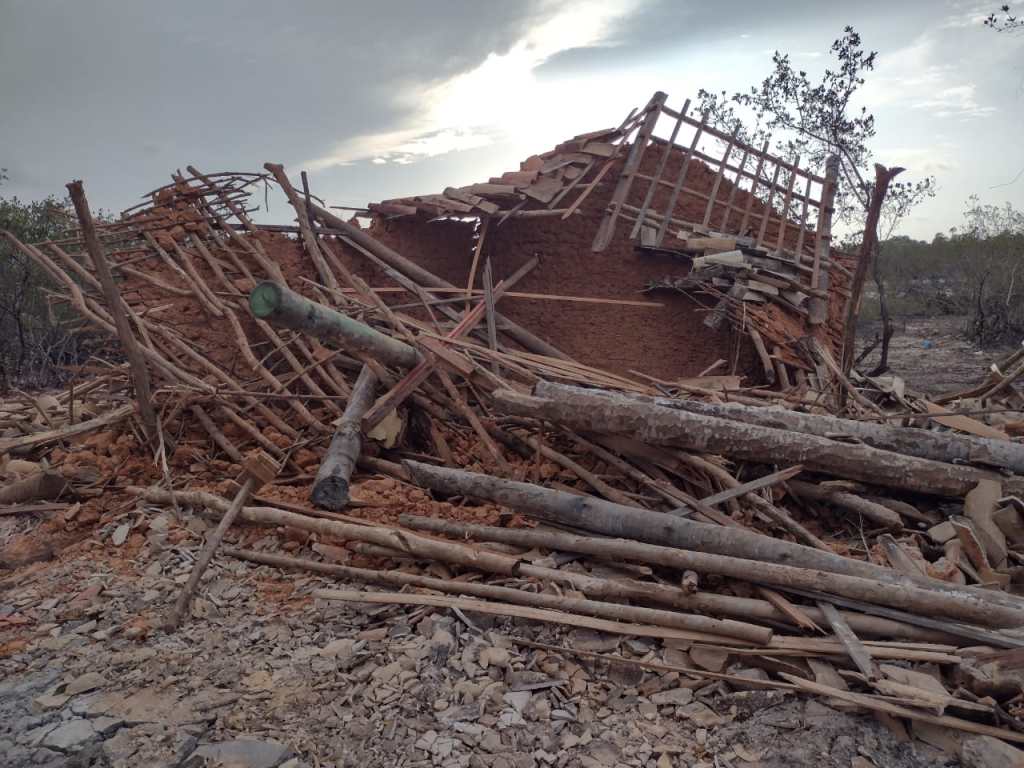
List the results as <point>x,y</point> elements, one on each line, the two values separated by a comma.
<point>115,305</point>
<point>618,612</point>
<point>476,258</point>
<point>303,216</point>
<point>522,612</point>
<point>259,470</point>
<point>753,485</point>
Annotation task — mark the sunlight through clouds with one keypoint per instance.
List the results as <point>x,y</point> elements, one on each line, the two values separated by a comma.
<point>488,103</point>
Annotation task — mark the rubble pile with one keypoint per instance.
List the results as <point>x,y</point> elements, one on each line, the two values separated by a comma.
<point>327,410</point>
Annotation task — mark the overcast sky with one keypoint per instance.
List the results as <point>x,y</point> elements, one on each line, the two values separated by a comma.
<point>386,98</point>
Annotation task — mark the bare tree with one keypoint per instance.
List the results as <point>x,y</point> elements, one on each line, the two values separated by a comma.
<point>817,119</point>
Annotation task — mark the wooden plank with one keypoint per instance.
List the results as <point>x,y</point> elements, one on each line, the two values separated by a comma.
<point>963,423</point>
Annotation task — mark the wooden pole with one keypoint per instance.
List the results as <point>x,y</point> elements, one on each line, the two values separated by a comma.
<point>132,351</point>
<point>686,545</point>
<point>910,441</point>
<point>330,490</point>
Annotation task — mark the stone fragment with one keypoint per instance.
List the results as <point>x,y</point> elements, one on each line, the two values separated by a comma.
<point>675,697</point>
<point>70,736</point>
<point>241,753</point>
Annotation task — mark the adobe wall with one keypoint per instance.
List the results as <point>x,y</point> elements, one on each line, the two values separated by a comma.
<point>667,342</point>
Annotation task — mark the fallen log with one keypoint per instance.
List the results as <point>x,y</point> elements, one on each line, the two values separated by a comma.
<point>911,441</point>
<point>330,490</point>
<point>41,486</point>
<point>611,413</point>
<point>281,306</point>
<point>617,611</point>
<point>738,553</point>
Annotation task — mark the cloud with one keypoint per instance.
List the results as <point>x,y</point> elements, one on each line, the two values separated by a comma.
<point>486,103</point>
<point>918,75</point>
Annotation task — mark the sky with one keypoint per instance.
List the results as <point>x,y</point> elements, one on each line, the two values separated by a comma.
<point>389,98</point>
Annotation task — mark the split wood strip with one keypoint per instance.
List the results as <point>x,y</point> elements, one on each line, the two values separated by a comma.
<point>768,209</point>
<point>752,194</point>
<point>735,185</point>
<point>521,612</point>
<point>725,137</point>
<point>757,484</point>
<point>854,648</point>
<point>680,180</point>
<point>803,223</point>
<point>37,440</point>
<point>654,180</point>
<point>481,237</point>
<point>615,611</point>
<point>784,216</point>
<point>713,197</point>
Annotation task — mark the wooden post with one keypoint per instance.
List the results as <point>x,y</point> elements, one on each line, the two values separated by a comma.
<point>332,479</point>
<point>492,328</point>
<point>816,306</point>
<point>140,374</point>
<point>258,470</point>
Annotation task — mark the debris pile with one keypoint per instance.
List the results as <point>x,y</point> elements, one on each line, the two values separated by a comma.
<point>787,525</point>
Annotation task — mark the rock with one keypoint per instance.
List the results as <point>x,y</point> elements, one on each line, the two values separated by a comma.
<point>593,641</point>
<point>105,726</point>
<point>90,681</point>
<point>676,697</point>
<point>700,713</point>
<point>239,754</point>
<point>120,534</point>
<point>70,736</point>
<point>518,699</point>
<point>494,657</point>
<point>989,752</point>
<point>45,702</point>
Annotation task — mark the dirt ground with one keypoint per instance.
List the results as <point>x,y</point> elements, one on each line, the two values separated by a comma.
<point>932,355</point>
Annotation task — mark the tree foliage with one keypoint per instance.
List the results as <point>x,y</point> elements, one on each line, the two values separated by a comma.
<point>975,271</point>
<point>1002,20</point>
<point>33,342</point>
<point>812,119</point>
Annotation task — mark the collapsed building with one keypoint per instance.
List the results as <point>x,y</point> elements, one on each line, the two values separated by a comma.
<point>632,336</point>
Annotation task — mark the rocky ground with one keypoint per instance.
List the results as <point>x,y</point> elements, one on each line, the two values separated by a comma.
<point>264,676</point>
<point>932,354</point>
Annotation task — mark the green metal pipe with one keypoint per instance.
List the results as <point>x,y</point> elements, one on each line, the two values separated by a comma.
<point>280,306</point>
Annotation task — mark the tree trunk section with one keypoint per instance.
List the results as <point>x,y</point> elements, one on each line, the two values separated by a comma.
<point>616,414</point>
<point>330,490</point>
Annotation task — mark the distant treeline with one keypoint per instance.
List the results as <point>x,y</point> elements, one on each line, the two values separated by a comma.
<point>976,272</point>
